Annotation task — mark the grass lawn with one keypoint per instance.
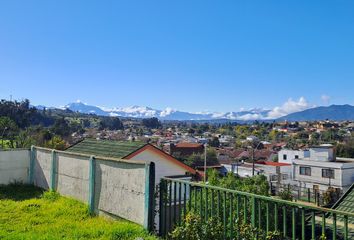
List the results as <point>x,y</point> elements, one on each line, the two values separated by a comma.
<point>27,212</point>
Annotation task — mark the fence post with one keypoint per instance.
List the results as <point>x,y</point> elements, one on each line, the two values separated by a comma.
<point>52,171</point>
<point>253,209</point>
<point>162,210</point>
<point>308,195</point>
<point>149,196</point>
<point>92,177</point>
<point>31,165</point>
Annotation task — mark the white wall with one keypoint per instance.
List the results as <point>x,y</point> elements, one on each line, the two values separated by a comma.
<point>72,176</point>
<point>120,189</point>
<point>291,155</point>
<point>120,185</point>
<point>343,173</point>
<point>42,168</point>
<point>163,166</point>
<point>321,154</point>
<point>14,165</point>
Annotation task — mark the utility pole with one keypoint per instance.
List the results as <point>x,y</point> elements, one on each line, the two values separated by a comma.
<point>253,150</point>
<point>253,161</point>
<point>205,161</point>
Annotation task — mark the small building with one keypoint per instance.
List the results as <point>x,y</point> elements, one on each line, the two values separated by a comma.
<point>165,164</point>
<point>321,169</point>
<point>186,149</point>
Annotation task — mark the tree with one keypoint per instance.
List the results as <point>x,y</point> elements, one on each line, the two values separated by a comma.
<point>56,143</point>
<point>195,160</point>
<point>61,127</point>
<point>24,139</point>
<point>110,123</point>
<point>8,130</point>
<point>151,122</point>
<point>214,142</point>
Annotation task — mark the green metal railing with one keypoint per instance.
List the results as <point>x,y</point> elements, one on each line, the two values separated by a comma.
<point>231,207</point>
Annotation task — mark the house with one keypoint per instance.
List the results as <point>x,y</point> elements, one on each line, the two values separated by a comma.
<point>320,169</point>
<point>262,154</point>
<point>186,148</point>
<point>165,164</point>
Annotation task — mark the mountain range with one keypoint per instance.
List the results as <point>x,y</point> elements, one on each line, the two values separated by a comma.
<point>167,114</point>
<point>333,112</point>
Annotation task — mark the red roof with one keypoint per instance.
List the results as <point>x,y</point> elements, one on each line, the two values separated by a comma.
<point>188,145</point>
<point>275,164</point>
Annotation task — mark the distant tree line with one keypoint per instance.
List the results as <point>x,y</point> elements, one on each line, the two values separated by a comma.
<point>22,125</point>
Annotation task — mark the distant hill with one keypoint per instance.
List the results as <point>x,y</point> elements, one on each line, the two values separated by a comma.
<point>333,112</point>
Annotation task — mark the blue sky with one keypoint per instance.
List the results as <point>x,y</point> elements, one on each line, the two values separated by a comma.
<point>189,55</point>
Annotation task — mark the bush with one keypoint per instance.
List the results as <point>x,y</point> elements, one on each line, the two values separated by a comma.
<point>193,228</point>
<point>285,194</point>
<point>330,196</point>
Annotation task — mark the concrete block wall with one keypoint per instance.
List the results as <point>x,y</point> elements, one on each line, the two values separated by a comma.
<point>42,168</point>
<point>14,166</point>
<point>72,176</point>
<point>120,189</point>
<point>111,186</point>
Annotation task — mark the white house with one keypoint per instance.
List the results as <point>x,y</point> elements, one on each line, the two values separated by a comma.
<point>165,164</point>
<point>321,169</point>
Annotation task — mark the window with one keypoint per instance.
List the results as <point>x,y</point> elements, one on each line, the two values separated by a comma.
<point>328,173</point>
<point>296,156</point>
<point>305,171</point>
<point>284,157</point>
<point>273,178</point>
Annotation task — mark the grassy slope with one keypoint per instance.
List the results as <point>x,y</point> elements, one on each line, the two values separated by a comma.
<point>28,213</point>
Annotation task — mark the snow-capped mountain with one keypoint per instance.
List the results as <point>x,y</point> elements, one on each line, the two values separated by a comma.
<point>167,114</point>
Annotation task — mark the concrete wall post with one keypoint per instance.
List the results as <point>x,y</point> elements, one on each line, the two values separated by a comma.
<point>92,177</point>
<point>52,171</point>
<point>31,165</point>
<point>149,208</point>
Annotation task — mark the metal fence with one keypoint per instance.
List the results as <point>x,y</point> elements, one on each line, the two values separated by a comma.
<point>231,207</point>
<point>306,194</point>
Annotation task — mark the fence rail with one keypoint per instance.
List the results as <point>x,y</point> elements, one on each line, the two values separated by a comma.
<point>306,194</point>
<point>231,207</point>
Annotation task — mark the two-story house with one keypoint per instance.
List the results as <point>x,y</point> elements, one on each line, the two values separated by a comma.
<point>320,169</point>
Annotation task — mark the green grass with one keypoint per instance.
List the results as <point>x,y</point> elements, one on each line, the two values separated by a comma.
<point>27,212</point>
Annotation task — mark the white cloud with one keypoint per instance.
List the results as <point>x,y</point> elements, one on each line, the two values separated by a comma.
<point>325,99</point>
<point>250,116</point>
<point>288,107</point>
<point>167,112</point>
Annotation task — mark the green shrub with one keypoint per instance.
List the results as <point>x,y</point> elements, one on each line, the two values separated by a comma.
<point>285,194</point>
<point>330,196</point>
<point>193,228</point>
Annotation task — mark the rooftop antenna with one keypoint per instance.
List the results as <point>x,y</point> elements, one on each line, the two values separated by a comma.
<point>10,98</point>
